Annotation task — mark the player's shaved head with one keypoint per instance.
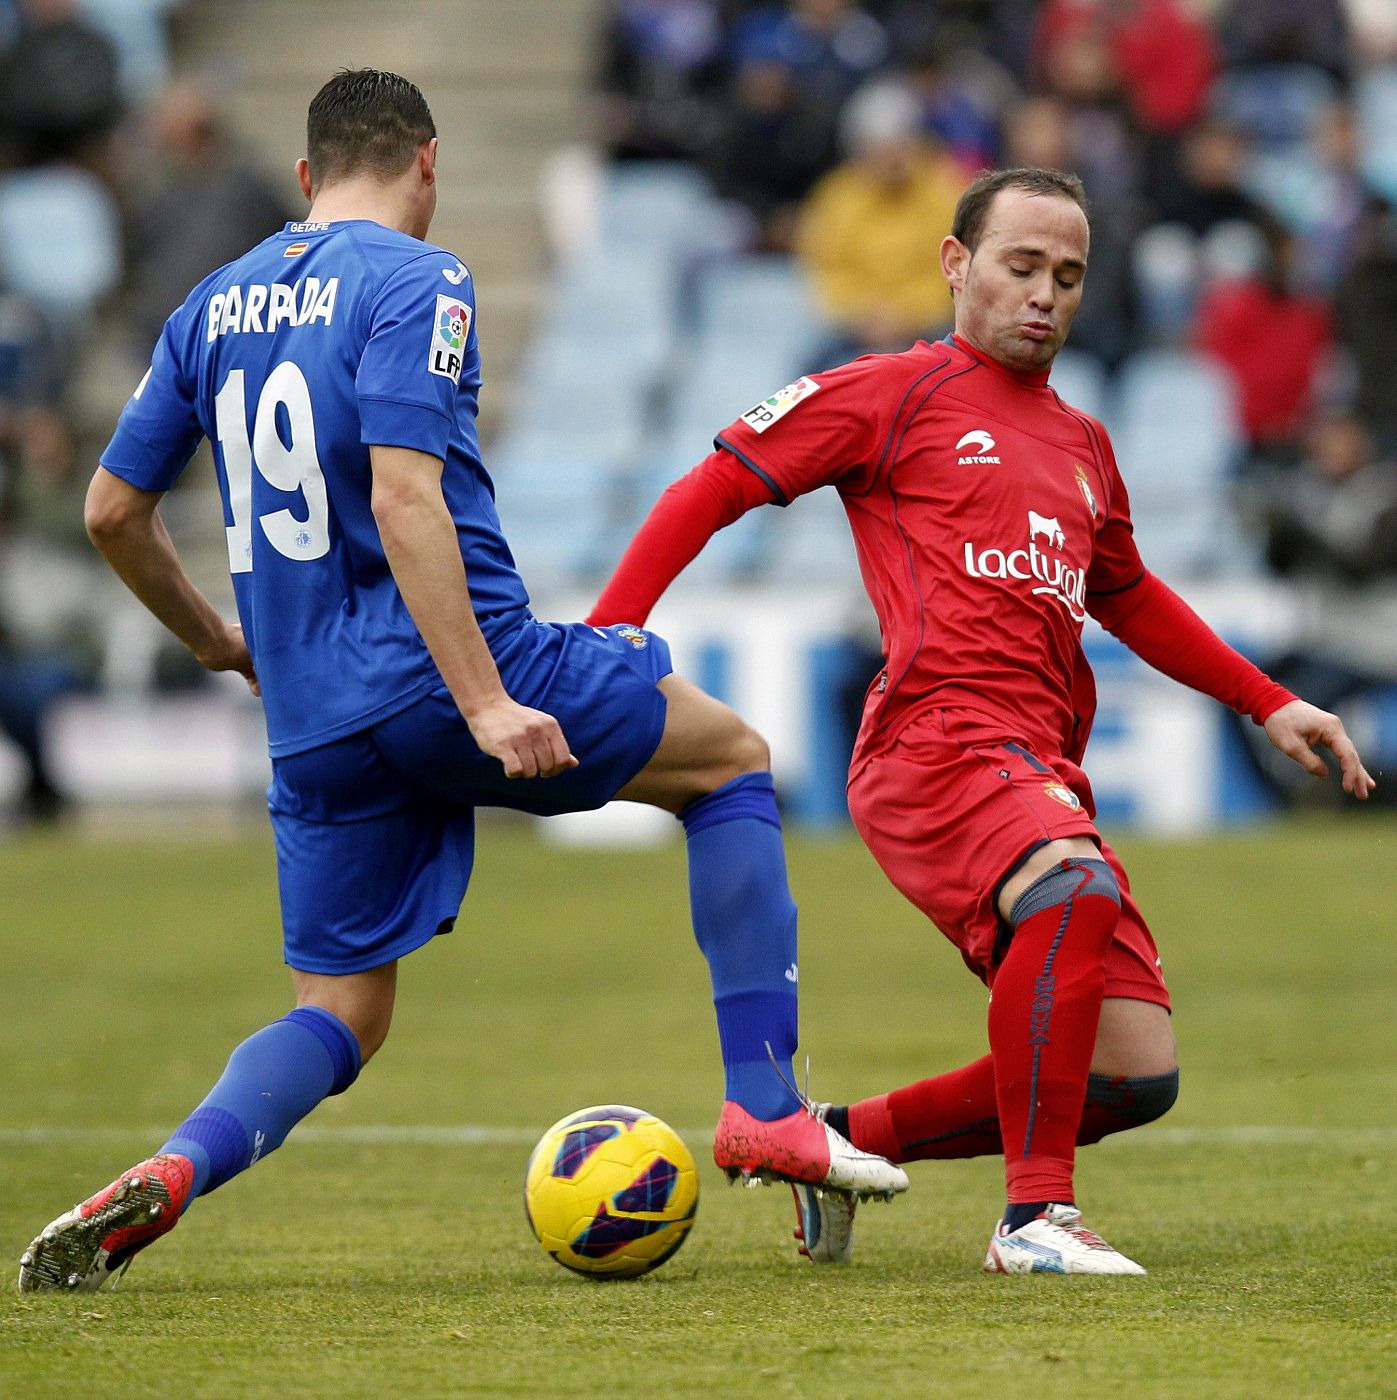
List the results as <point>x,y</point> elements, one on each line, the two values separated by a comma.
<point>973,209</point>
<point>365,122</point>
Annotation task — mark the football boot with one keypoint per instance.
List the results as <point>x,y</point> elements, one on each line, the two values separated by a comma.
<point>803,1149</point>
<point>89,1244</point>
<point>1055,1242</point>
<point>824,1224</point>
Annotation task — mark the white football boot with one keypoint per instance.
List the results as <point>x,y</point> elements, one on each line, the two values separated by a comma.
<point>1056,1242</point>
<point>825,1223</point>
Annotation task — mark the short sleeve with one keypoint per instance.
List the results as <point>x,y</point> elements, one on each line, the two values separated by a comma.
<point>159,429</point>
<point>421,337</point>
<point>1115,563</point>
<point>823,429</point>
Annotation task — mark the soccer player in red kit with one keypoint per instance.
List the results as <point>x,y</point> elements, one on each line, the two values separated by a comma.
<point>989,519</point>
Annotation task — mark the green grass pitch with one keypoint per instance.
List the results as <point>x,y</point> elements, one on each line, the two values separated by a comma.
<point>368,1264</point>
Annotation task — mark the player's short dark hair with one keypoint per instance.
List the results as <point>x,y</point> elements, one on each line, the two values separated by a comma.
<point>974,206</point>
<point>365,122</point>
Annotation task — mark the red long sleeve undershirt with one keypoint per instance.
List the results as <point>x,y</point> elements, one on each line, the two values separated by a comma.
<point>688,514</point>
<point>1150,618</point>
<point>1161,629</point>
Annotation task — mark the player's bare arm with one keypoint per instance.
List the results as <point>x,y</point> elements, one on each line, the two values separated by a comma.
<point>124,524</point>
<point>420,541</point>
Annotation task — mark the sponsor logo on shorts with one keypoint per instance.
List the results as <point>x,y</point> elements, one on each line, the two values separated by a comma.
<point>633,635</point>
<point>980,444</point>
<point>761,416</point>
<point>1060,792</point>
<point>451,325</point>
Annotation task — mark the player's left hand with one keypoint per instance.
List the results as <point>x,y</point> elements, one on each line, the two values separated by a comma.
<point>1295,728</point>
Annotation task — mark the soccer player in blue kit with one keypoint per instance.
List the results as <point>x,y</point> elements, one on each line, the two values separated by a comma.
<point>335,369</point>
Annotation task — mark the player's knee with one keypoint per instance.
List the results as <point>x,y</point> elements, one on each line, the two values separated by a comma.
<point>1074,878</point>
<point>739,751</point>
<point>750,752</point>
<point>368,1021</point>
<point>371,1036</point>
<point>1134,1099</point>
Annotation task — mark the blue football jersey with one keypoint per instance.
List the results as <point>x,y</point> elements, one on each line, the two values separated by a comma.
<point>293,360</point>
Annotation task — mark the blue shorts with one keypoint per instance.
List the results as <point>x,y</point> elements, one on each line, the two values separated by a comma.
<point>375,833</point>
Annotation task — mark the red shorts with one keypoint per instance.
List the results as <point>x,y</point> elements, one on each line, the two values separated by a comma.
<point>952,808</point>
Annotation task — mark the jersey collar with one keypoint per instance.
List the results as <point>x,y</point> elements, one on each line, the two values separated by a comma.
<point>1036,379</point>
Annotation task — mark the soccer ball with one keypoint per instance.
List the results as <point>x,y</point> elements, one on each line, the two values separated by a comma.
<point>610,1192</point>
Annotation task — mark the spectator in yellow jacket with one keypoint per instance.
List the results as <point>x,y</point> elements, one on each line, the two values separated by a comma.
<point>870,231</point>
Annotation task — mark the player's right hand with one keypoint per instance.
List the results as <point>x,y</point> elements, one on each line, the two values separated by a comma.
<point>231,654</point>
<point>528,742</point>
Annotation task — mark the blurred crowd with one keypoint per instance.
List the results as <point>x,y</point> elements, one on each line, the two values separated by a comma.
<point>1240,157</point>
<point>1241,161</point>
<point>119,190</point>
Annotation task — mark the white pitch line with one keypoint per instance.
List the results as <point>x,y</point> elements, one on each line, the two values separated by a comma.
<point>486,1135</point>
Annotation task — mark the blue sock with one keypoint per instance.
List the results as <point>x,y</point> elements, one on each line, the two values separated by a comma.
<point>1017,1215</point>
<point>745,923</point>
<point>272,1081</point>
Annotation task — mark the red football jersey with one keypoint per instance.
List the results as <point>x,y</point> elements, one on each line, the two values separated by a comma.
<point>985,513</point>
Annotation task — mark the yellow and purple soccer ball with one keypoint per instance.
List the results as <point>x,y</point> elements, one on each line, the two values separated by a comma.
<point>611,1191</point>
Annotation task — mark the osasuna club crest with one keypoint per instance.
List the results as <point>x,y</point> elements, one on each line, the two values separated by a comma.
<point>1060,792</point>
<point>1086,490</point>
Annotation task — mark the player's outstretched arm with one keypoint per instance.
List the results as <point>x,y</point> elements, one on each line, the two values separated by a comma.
<point>424,553</point>
<point>1161,629</point>
<point>124,524</point>
<point>687,515</point>
<point>1297,727</point>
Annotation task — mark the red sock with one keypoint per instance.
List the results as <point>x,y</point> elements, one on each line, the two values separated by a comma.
<point>1044,1009</point>
<point>956,1115</point>
<point>951,1115</point>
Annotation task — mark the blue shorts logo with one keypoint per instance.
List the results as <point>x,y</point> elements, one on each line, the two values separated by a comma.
<point>633,635</point>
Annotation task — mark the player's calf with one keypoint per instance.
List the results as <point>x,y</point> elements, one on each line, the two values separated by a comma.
<point>1117,1103</point>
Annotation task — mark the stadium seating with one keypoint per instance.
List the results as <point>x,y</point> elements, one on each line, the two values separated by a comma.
<point>651,204</point>
<point>1080,380</point>
<point>1274,104</point>
<point>1376,99</point>
<point>60,243</point>
<point>137,31</point>
<point>1178,441</point>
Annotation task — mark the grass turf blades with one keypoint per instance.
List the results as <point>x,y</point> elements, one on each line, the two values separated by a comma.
<point>353,1268</point>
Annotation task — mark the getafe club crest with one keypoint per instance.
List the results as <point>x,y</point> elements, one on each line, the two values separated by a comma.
<point>1086,489</point>
<point>1060,792</point>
